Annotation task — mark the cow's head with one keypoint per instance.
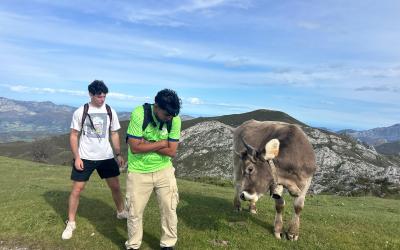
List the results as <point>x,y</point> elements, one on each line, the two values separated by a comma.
<point>256,176</point>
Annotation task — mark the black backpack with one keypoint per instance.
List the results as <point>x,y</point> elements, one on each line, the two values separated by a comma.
<point>148,118</point>
<point>85,114</point>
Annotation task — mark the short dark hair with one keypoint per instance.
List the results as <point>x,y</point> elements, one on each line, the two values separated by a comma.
<point>169,101</point>
<point>97,87</point>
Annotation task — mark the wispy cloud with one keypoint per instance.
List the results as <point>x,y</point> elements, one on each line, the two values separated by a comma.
<point>171,15</point>
<point>308,25</point>
<point>236,62</point>
<point>383,88</point>
<point>112,95</point>
<point>193,100</point>
<point>34,90</point>
<point>129,98</point>
<point>46,90</point>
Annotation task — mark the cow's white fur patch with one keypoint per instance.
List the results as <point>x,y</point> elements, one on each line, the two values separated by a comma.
<point>278,191</point>
<point>271,149</point>
<point>250,197</point>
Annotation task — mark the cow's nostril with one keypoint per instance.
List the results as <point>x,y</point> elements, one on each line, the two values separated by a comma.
<point>242,196</point>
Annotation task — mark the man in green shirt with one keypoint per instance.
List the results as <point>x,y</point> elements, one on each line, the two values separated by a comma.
<point>153,137</point>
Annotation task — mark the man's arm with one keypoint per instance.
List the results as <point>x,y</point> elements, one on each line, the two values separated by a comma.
<point>142,146</point>
<point>73,141</point>
<point>117,148</point>
<point>170,150</point>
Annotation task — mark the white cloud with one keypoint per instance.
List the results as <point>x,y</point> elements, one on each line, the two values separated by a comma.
<point>169,15</point>
<point>379,88</point>
<point>35,90</point>
<point>196,5</point>
<point>236,62</point>
<point>194,100</point>
<point>125,97</point>
<point>308,25</point>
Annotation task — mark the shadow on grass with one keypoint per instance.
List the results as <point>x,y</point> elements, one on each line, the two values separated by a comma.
<point>197,211</point>
<point>101,215</point>
<point>202,212</point>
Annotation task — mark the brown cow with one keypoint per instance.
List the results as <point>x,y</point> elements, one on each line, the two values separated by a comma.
<point>270,156</point>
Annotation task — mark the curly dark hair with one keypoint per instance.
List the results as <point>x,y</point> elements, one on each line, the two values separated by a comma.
<point>97,87</point>
<point>168,100</point>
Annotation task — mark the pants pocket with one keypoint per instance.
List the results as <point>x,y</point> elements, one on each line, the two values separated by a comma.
<point>174,198</point>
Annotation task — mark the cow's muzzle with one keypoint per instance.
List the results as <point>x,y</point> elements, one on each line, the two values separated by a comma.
<point>245,196</point>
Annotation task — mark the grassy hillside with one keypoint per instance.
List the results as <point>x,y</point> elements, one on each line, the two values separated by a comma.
<point>389,148</point>
<point>34,205</point>
<point>237,119</point>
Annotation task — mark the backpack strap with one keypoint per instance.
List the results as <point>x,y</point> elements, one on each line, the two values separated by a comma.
<point>86,111</point>
<point>84,115</point>
<point>147,116</point>
<point>109,113</point>
<point>169,126</point>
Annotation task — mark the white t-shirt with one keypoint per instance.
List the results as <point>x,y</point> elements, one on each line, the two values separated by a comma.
<point>94,144</point>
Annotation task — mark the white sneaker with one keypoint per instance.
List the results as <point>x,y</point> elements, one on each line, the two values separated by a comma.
<point>122,215</point>
<point>67,234</point>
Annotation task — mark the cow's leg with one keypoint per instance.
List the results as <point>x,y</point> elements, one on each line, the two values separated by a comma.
<point>237,180</point>
<point>236,199</point>
<point>293,232</point>
<point>253,207</point>
<point>278,225</point>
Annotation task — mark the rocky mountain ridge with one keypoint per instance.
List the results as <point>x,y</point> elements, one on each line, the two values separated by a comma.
<point>375,136</point>
<point>344,166</point>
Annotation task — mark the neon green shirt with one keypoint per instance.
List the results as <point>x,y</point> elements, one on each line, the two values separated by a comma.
<point>151,161</point>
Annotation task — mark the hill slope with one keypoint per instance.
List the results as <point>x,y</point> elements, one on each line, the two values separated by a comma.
<point>389,148</point>
<point>344,166</point>
<point>34,205</point>
<point>237,119</point>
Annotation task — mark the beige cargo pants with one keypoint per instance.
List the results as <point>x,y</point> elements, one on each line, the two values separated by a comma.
<point>138,190</point>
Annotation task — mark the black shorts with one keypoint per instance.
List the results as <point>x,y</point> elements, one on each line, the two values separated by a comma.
<point>105,168</point>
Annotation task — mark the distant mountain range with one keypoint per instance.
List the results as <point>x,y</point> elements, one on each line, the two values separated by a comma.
<point>386,140</point>
<point>23,120</point>
<point>375,136</point>
<point>28,120</point>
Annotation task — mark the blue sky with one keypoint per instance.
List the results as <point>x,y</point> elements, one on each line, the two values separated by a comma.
<point>328,63</point>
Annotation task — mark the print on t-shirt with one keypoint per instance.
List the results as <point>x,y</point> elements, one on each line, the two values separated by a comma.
<point>100,125</point>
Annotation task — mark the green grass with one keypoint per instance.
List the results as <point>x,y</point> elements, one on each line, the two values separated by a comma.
<point>34,205</point>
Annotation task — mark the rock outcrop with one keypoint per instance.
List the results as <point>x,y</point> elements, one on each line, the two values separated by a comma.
<point>344,166</point>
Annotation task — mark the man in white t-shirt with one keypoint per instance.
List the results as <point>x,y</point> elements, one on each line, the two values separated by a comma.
<point>90,126</point>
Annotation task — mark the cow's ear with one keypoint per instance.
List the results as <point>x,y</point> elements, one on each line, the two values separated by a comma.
<point>271,150</point>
